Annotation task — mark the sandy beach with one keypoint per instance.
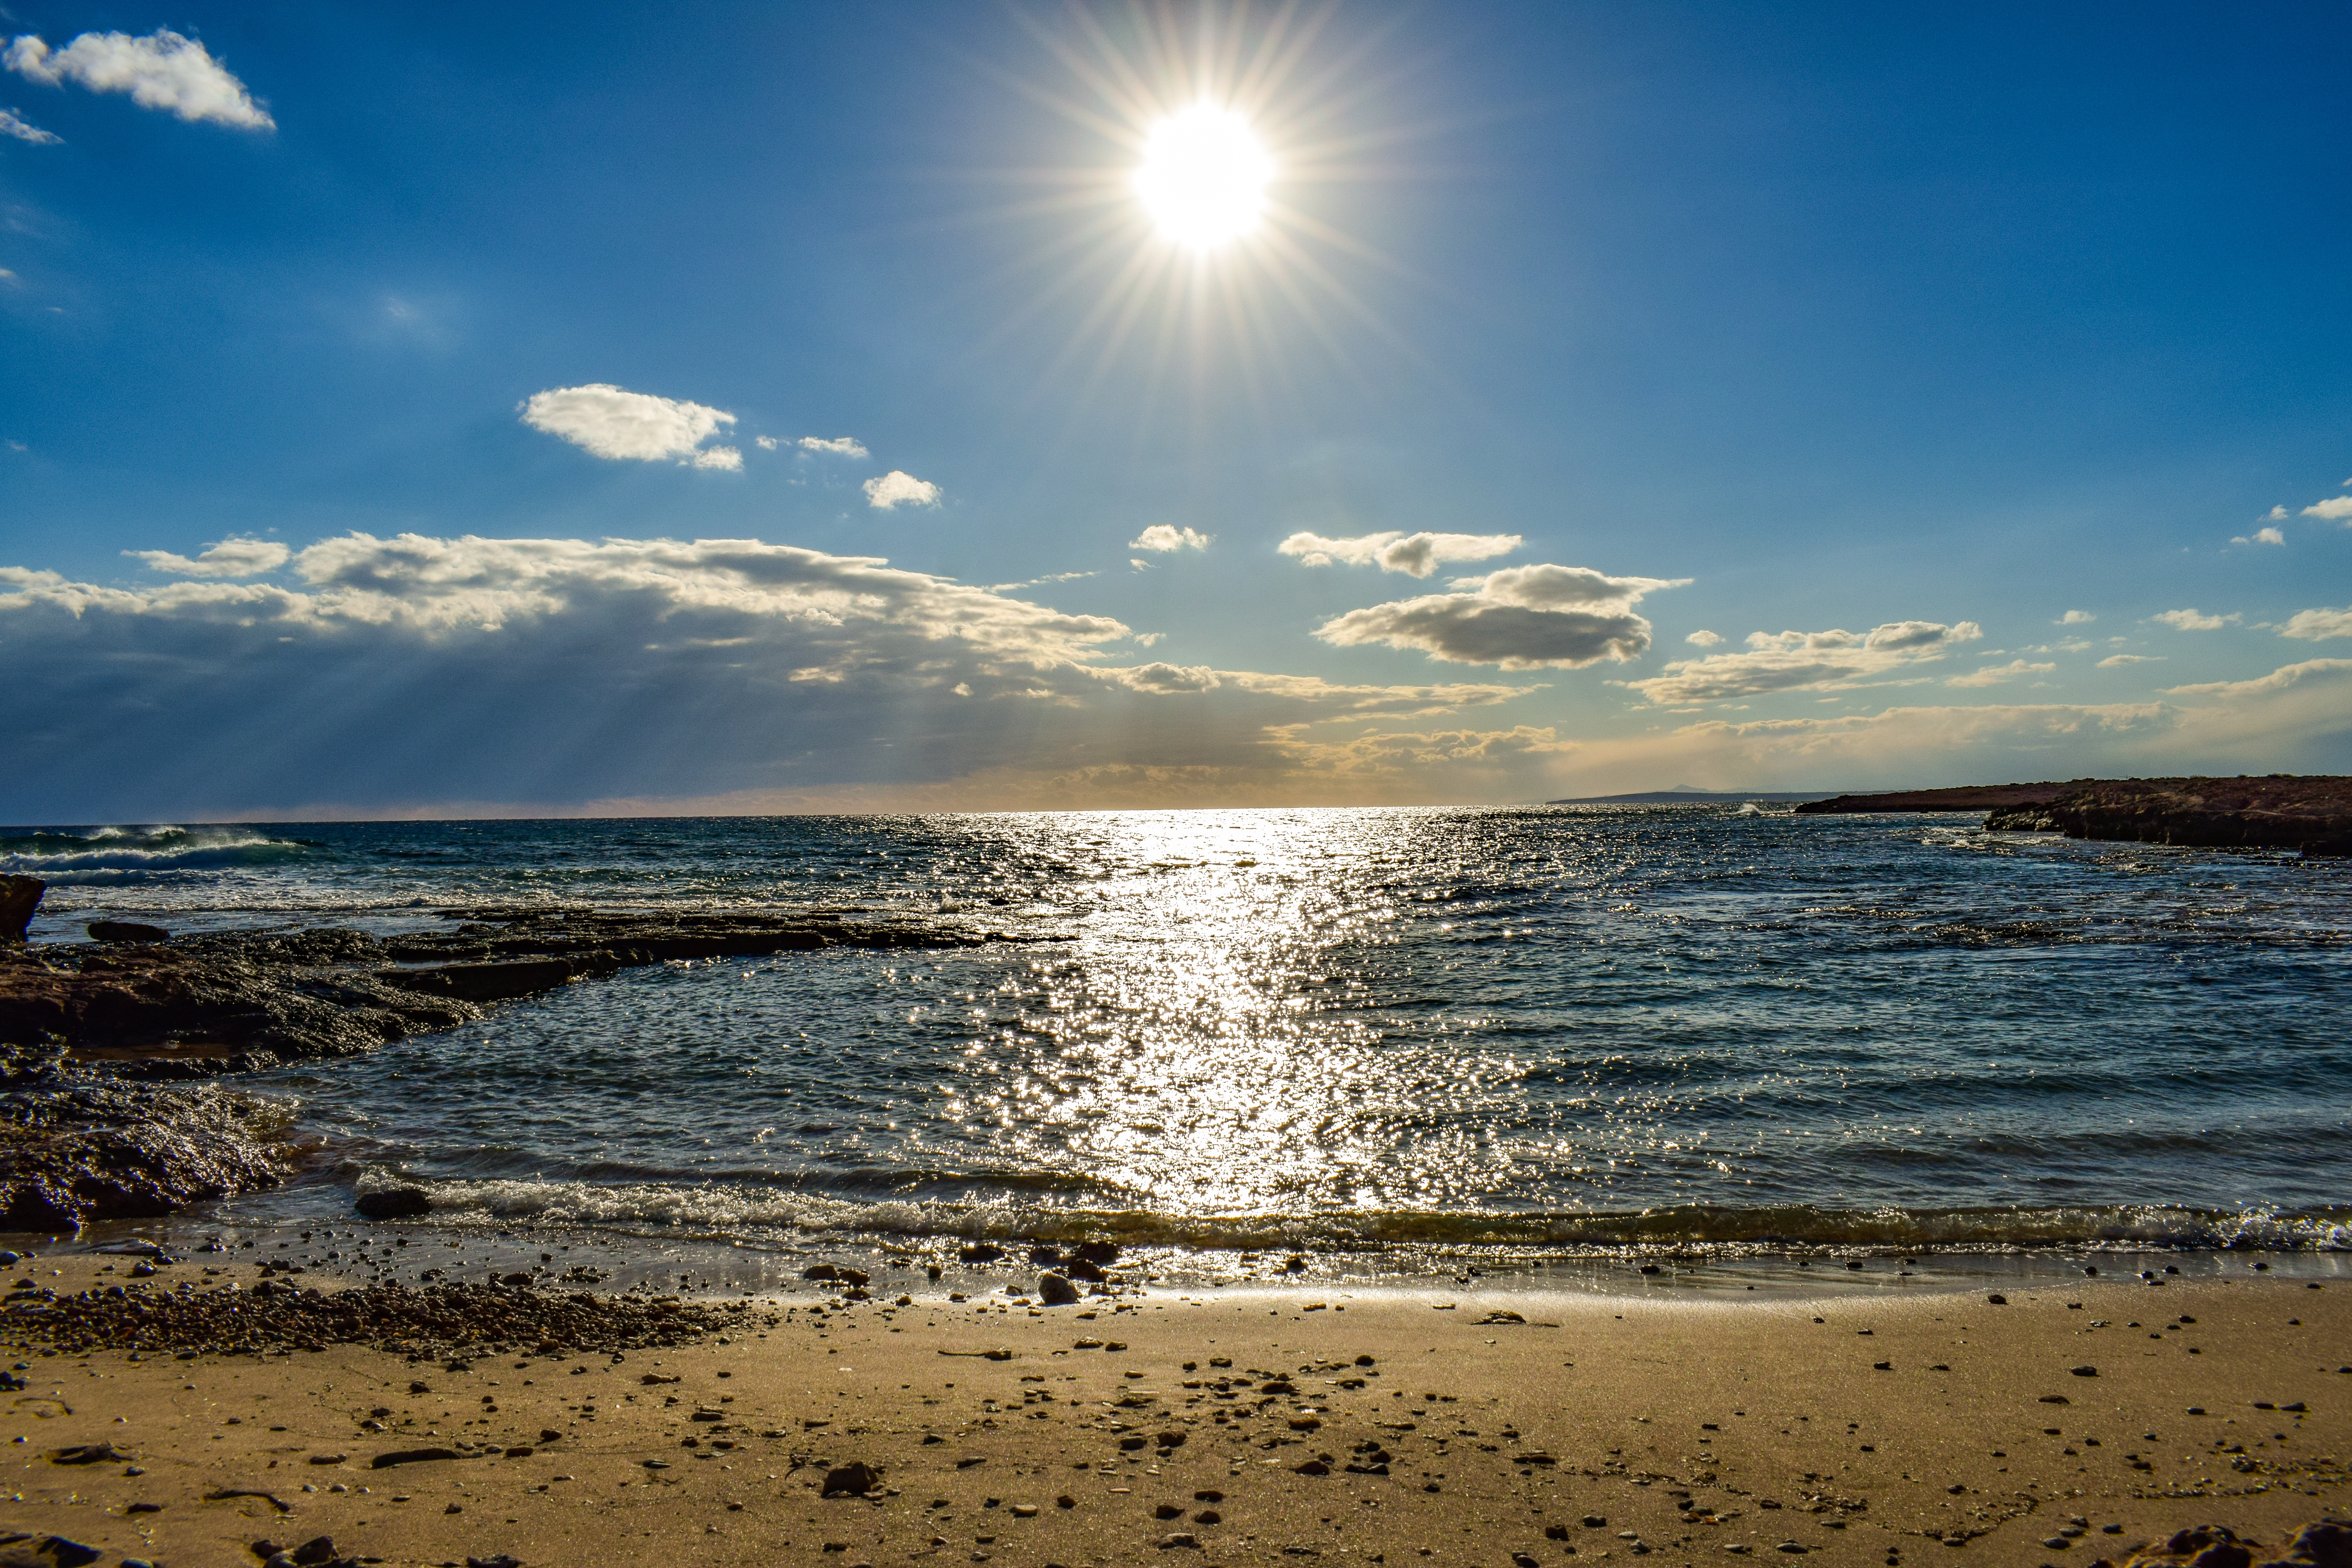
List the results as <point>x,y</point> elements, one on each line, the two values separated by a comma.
<point>2069,1422</point>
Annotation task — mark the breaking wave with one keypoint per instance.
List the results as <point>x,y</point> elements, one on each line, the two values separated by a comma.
<point>103,855</point>
<point>732,1210</point>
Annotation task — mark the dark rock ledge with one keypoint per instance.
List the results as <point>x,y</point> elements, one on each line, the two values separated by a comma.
<point>87,1029</point>
<point>2278,811</point>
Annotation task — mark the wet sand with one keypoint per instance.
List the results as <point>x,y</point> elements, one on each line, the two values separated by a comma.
<point>1851,1431</point>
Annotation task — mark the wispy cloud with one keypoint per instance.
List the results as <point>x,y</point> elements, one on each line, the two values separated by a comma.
<point>2192,620</point>
<point>14,124</point>
<point>832,446</point>
<point>161,70</point>
<point>1804,661</point>
<point>2261,536</point>
<point>2118,660</point>
<point>1995,674</point>
<point>2075,618</point>
<point>1522,617</point>
<point>1163,537</point>
<point>2314,626</point>
<point>898,488</point>
<point>1413,554</point>
<point>608,422</point>
<point>229,558</point>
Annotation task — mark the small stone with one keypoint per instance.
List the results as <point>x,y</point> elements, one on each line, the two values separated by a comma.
<point>1595,1521</point>
<point>1167,1511</point>
<point>1521,1559</point>
<point>1997,1300</point>
<point>1208,1516</point>
<point>1054,1291</point>
<point>1311,1467</point>
<point>1179,1539</point>
<point>2084,1371</point>
<point>1025,1510</point>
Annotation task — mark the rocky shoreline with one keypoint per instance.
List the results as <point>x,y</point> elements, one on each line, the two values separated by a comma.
<point>2278,811</point>
<point>90,1033</point>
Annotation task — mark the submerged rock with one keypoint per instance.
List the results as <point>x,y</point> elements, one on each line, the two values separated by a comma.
<point>126,930</point>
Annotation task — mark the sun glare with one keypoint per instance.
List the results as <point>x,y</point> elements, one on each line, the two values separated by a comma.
<point>1203,177</point>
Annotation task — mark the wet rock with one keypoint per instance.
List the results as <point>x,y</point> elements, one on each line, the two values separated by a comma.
<point>855,1479</point>
<point>832,1271</point>
<point>1046,1256</point>
<point>126,930</point>
<point>19,897</point>
<point>1102,1254</point>
<point>1056,1291</point>
<point>1082,1269</point>
<point>401,1202</point>
<point>980,1252</point>
<point>73,1157</point>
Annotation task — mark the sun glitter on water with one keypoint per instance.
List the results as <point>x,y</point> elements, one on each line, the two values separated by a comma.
<point>1203,177</point>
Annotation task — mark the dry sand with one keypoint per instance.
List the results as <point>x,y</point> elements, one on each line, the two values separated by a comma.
<point>1855,1432</point>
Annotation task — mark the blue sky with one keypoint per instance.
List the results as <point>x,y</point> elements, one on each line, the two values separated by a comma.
<point>1870,344</point>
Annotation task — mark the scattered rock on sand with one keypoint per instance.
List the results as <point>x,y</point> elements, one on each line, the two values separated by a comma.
<point>399,1202</point>
<point>1056,1291</point>
<point>853,1479</point>
<point>21,1550</point>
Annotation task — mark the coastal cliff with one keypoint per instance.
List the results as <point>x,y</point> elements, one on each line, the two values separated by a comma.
<point>2276,811</point>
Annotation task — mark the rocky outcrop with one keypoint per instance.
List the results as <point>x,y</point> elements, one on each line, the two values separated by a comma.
<point>1967,797</point>
<point>239,1000</point>
<point>69,1157</point>
<point>19,897</point>
<point>2277,812</point>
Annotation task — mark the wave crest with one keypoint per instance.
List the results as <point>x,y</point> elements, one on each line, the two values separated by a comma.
<point>71,856</point>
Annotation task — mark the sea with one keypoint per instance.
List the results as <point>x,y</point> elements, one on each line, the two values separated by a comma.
<point>1718,1042</point>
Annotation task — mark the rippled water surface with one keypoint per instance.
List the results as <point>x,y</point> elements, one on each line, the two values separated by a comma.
<point>1539,1027</point>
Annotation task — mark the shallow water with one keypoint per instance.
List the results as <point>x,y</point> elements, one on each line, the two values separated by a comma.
<point>1537,1031</point>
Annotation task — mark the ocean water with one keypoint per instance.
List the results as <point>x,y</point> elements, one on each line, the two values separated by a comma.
<point>1527,1033</point>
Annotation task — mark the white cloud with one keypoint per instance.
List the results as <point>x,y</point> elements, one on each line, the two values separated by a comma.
<point>2075,618</point>
<point>1522,617</point>
<point>1804,661</point>
<point>229,558</point>
<point>897,489</point>
<point>832,446</point>
<point>2316,672</point>
<point>2338,508</point>
<point>1994,674</point>
<point>605,420</point>
<point>726,665</point>
<point>2312,626</point>
<point>2276,514</point>
<point>1703,638</point>
<point>2191,620</point>
<point>2118,660</point>
<point>1162,537</point>
<point>161,70</point>
<point>728,457</point>
<point>2261,536</point>
<point>767,443</point>
<point>14,124</point>
<point>1414,555</point>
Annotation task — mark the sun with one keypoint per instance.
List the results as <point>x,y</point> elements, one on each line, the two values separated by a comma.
<point>1203,177</point>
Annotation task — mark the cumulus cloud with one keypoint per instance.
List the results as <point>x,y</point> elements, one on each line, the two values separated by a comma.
<point>2276,514</point>
<point>1994,674</point>
<point>1804,661</point>
<point>1414,555</point>
<point>1159,536</point>
<point>831,446</point>
<point>229,558</point>
<point>2118,660</point>
<point>2336,509</point>
<point>2315,625</point>
<point>161,70</point>
<point>1522,617</point>
<point>595,670</point>
<point>2191,620</point>
<point>1705,638</point>
<point>2075,618</point>
<point>14,124</point>
<point>608,422</point>
<point>2261,536</point>
<point>766,443</point>
<point>898,488</point>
